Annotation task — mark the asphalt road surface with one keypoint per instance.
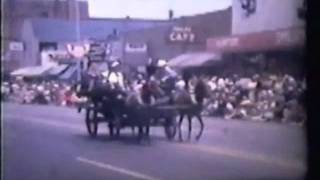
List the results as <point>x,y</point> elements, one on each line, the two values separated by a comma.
<point>48,142</point>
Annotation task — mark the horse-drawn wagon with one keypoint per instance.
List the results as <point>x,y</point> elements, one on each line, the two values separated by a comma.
<point>110,105</point>
<point>118,115</point>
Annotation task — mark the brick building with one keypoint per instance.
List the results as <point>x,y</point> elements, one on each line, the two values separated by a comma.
<point>15,12</point>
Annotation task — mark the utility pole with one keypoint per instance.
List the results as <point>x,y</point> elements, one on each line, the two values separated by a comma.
<point>77,21</point>
<point>78,39</point>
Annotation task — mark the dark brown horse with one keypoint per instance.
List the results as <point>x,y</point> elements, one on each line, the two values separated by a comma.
<point>187,108</point>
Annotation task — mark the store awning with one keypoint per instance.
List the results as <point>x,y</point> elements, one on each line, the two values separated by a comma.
<point>31,71</point>
<point>69,72</point>
<point>57,70</point>
<point>193,59</point>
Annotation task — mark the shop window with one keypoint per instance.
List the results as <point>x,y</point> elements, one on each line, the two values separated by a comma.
<point>48,46</point>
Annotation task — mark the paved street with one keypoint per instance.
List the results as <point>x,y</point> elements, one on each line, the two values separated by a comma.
<point>48,142</point>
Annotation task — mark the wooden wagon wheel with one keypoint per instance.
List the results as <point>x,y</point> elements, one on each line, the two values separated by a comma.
<point>91,122</point>
<point>170,128</point>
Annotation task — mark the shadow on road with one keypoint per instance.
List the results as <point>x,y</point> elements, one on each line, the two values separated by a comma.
<point>125,139</point>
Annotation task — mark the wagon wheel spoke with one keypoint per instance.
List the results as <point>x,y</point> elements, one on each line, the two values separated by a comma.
<point>91,122</point>
<point>170,128</point>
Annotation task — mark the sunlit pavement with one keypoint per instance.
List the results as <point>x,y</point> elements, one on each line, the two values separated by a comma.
<point>48,142</point>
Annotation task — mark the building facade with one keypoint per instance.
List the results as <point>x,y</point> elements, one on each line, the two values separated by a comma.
<point>267,15</point>
<point>62,9</point>
<point>179,36</point>
<point>43,34</point>
<point>14,30</point>
<point>272,30</point>
<point>134,41</point>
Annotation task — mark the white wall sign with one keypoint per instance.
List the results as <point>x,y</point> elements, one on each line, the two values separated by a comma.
<point>136,47</point>
<point>16,46</point>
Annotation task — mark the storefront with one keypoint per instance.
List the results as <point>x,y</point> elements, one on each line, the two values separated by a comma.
<point>280,51</point>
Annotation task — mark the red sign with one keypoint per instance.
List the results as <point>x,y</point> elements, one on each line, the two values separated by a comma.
<point>268,40</point>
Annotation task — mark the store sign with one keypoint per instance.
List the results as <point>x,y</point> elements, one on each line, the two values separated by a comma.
<point>16,46</point>
<point>136,47</point>
<point>182,34</point>
<point>258,41</point>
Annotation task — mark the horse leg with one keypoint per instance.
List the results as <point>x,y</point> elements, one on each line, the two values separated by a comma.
<point>180,124</point>
<point>118,131</point>
<point>140,133</point>
<point>189,126</point>
<point>148,132</point>
<point>201,127</point>
<point>79,109</point>
<point>111,128</point>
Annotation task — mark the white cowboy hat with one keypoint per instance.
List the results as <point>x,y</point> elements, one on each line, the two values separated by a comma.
<point>162,63</point>
<point>180,84</point>
<point>114,64</point>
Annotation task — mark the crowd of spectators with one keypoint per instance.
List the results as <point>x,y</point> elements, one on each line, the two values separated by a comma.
<point>261,97</point>
<point>45,92</point>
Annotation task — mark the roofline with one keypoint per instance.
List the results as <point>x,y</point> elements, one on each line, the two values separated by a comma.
<point>205,13</point>
<point>139,19</point>
<point>130,19</point>
<point>158,20</point>
<point>104,19</point>
<point>151,28</point>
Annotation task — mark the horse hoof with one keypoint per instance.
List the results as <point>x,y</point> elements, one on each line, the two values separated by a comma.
<point>197,138</point>
<point>149,142</point>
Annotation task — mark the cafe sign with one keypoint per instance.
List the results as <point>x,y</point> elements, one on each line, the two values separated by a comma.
<point>182,34</point>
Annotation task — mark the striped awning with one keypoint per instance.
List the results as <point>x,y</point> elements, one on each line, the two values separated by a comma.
<point>69,72</point>
<point>58,69</point>
<point>193,59</point>
<point>31,71</point>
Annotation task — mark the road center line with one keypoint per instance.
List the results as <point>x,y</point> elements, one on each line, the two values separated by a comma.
<point>46,122</point>
<point>116,169</point>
